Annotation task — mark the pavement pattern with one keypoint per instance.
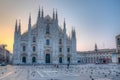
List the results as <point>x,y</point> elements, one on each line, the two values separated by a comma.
<point>50,72</point>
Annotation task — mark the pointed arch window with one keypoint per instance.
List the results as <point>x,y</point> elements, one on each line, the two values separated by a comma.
<point>47,29</point>
<point>68,50</point>
<point>34,39</point>
<point>60,41</point>
<point>24,48</point>
<point>47,42</point>
<point>60,49</point>
<point>34,48</point>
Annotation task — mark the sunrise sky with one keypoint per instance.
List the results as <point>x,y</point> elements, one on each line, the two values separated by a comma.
<point>95,21</point>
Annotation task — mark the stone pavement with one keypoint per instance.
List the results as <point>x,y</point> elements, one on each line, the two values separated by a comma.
<point>50,72</point>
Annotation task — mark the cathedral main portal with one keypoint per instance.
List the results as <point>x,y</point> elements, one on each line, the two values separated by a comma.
<point>34,60</point>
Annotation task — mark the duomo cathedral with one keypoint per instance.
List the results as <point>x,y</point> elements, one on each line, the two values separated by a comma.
<point>45,42</point>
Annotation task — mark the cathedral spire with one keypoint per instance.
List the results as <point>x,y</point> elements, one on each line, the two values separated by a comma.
<point>64,24</point>
<point>29,31</point>
<point>16,26</point>
<point>16,31</point>
<point>56,15</point>
<point>53,14</point>
<point>29,23</point>
<point>73,33</point>
<point>19,27</point>
<point>42,13</point>
<point>39,12</point>
<point>38,18</point>
<point>96,49</point>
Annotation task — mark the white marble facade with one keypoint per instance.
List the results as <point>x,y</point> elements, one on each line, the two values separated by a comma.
<point>45,42</point>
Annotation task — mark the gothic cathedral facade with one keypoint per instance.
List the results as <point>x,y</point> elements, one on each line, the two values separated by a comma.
<point>44,43</point>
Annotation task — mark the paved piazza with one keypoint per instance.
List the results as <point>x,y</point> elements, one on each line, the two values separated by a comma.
<point>50,72</point>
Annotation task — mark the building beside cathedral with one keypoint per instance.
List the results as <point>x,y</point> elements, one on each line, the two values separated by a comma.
<point>117,38</point>
<point>5,55</point>
<point>99,56</point>
<point>45,42</point>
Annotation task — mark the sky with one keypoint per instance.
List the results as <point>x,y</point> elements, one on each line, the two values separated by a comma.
<point>95,21</point>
